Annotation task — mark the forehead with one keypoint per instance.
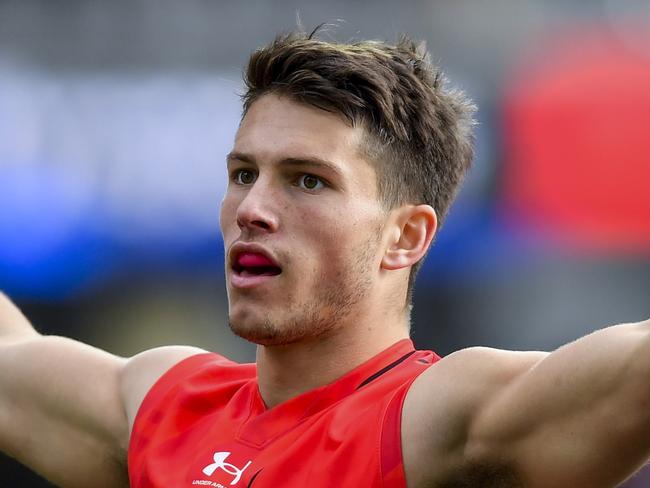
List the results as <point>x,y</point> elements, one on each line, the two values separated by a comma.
<point>276,127</point>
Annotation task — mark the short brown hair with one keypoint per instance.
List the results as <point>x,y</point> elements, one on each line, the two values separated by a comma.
<point>419,131</point>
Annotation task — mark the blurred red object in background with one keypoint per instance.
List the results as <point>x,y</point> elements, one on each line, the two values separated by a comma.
<point>577,144</point>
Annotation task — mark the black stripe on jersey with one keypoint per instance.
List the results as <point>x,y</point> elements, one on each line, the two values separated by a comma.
<point>250,483</point>
<point>385,369</point>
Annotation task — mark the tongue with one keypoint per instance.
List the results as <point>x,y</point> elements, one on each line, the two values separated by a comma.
<point>250,259</point>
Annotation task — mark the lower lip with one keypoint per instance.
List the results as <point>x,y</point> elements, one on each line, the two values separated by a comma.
<point>249,281</point>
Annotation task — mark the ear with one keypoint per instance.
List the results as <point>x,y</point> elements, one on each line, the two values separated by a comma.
<point>412,231</point>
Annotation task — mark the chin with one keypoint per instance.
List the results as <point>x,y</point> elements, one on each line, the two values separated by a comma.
<point>253,327</point>
<point>262,333</point>
<point>266,331</point>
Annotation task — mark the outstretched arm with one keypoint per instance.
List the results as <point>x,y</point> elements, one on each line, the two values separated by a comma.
<point>66,407</point>
<point>60,409</point>
<point>13,324</point>
<point>580,417</point>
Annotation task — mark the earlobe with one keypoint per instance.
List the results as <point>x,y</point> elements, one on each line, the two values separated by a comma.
<point>414,229</point>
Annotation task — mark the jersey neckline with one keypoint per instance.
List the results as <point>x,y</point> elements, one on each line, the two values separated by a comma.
<point>264,424</point>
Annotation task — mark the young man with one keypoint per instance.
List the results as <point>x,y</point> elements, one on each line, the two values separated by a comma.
<point>345,162</point>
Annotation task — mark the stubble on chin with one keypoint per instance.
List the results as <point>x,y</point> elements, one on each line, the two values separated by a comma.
<point>293,322</point>
<point>298,322</point>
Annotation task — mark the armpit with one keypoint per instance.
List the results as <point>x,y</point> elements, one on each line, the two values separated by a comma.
<point>484,476</point>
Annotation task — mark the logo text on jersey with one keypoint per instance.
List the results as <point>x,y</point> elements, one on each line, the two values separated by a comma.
<point>219,459</point>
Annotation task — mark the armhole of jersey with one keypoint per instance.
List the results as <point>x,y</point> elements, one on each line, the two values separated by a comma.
<point>391,458</point>
<point>392,465</point>
<point>161,387</point>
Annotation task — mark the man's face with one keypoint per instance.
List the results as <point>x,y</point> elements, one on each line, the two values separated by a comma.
<point>301,223</point>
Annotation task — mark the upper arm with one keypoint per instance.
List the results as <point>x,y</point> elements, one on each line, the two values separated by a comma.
<point>441,406</point>
<point>61,412</point>
<point>66,408</point>
<point>579,417</point>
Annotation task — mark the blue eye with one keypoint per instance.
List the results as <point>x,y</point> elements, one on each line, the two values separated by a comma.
<point>244,177</point>
<point>310,182</point>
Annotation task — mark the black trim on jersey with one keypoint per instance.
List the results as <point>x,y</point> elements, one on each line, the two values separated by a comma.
<point>250,483</point>
<point>385,369</point>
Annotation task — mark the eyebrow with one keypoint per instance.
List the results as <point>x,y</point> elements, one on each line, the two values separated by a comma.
<point>291,161</point>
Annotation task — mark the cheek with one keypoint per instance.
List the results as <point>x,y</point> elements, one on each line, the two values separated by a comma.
<point>322,227</point>
<point>314,242</point>
<point>336,242</point>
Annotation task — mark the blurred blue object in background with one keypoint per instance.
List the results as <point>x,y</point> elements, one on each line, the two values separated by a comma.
<point>103,175</point>
<point>50,245</point>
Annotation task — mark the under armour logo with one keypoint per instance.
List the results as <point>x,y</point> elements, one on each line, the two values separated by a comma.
<point>220,463</point>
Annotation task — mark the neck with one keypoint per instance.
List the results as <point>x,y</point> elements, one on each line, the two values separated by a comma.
<point>287,371</point>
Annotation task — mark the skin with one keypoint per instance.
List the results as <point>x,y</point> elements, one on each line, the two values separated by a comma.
<point>577,417</point>
<point>321,280</point>
<point>333,295</point>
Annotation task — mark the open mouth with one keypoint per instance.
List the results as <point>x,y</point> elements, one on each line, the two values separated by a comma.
<point>255,264</point>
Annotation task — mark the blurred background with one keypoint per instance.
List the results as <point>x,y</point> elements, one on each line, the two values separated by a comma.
<point>115,119</point>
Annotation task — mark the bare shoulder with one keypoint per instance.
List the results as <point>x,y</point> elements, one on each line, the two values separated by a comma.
<point>444,400</point>
<point>486,363</point>
<point>141,372</point>
<point>468,377</point>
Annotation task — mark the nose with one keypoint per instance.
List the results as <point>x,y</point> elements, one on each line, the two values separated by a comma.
<point>255,212</point>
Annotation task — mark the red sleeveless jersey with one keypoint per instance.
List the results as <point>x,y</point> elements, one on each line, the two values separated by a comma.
<point>204,423</point>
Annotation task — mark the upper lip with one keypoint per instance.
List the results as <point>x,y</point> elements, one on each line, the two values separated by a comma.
<point>239,248</point>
